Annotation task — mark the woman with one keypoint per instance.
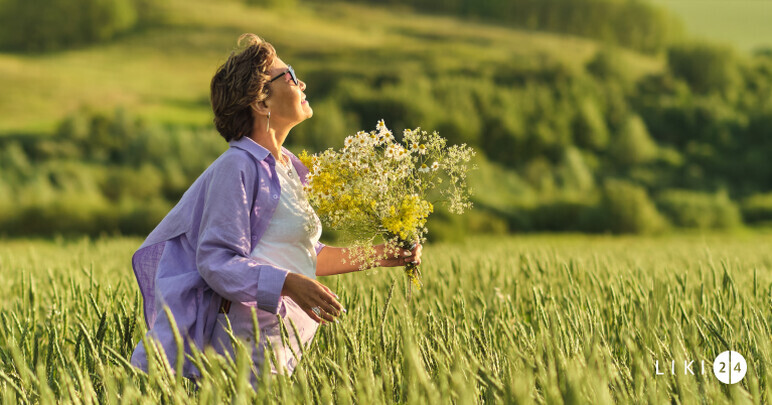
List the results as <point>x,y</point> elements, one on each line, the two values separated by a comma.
<point>243,236</point>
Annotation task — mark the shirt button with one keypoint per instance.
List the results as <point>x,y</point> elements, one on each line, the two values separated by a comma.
<point>275,196</point>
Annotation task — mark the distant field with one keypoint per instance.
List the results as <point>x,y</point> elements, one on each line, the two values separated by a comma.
<point>546,319</point>
<point>746,24</point>
<point>163,73</point>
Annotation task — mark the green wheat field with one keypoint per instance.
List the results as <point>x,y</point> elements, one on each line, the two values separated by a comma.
<point>535,319</point>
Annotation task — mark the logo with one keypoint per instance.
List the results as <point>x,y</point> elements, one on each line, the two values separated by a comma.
<point>730,367</point>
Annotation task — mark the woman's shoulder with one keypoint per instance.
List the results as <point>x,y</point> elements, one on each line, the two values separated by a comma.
<point>234,159</point>
<point>232,172</point>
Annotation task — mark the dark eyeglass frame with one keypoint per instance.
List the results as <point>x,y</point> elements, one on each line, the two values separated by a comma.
<point>289,70</point>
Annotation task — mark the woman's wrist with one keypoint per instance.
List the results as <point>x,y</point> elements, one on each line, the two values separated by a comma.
<point>288,280</point>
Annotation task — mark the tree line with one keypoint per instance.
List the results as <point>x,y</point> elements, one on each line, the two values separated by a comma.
<point>49,25</point>
<point>632,24</point>
<point>46,25</point>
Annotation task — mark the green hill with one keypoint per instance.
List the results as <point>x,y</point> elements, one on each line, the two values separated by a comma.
<point>573,134</point>
<point>163,73</point>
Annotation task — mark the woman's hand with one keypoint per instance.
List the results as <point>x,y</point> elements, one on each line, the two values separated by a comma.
<point>404,256</point>
<point>309,293</point>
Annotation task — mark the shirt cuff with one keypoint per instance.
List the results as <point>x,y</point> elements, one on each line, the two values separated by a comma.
<point>270,283</point>
<point>319,246</point>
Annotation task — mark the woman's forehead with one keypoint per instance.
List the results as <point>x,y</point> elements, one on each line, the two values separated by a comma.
<point>278,66</point>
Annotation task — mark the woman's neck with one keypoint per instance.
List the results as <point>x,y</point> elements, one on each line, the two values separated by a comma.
<point>272,140</point>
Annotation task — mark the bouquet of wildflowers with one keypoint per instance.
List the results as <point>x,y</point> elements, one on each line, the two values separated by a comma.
<point>377,186</point>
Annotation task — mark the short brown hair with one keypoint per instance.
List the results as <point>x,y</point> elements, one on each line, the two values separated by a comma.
<point>240,82</point>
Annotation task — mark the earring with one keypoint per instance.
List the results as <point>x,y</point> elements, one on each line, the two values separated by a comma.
<point>268,122</point>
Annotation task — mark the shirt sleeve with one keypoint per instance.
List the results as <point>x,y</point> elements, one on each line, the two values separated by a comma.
<point>223,251</point>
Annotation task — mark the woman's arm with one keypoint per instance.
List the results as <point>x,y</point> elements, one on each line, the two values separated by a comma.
<point>223,251</point>
<point>330,260</point>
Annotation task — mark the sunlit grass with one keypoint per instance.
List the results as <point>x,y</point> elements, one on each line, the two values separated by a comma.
<point>536,319</point>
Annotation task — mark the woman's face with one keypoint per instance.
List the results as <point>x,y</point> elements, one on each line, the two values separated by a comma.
<point>287,102</point>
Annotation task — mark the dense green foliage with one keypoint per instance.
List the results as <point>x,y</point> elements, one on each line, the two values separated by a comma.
<point>632,24</point>
<point>562,133</point>
<point>99,173</point>
<point>546,320</point>
<point>45,25</point>
<point>691,209</point>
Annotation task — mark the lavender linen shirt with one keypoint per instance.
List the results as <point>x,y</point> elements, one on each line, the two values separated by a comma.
<point>211,232</point>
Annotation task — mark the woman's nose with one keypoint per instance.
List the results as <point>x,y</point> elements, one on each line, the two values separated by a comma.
<point>302,85</point>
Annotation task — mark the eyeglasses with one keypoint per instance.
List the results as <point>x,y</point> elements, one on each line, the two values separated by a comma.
<point>289,70</point>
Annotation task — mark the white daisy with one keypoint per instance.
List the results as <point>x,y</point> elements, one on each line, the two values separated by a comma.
<point>400,152</point>
<point>391,151</point>
<point>435,166</point>
<point>424,168</point>
<point>387,136</point>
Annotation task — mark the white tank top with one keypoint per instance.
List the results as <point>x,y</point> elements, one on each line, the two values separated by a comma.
<point>289,241</point>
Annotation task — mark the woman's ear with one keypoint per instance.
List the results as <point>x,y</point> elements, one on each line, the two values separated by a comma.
<point>261,107</point>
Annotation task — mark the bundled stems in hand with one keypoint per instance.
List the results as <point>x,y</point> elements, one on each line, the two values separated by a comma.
<point>412,270</point>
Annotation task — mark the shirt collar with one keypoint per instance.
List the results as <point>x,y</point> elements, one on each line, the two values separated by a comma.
<point>254,149</point>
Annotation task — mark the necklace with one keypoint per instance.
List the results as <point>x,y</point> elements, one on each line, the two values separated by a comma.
<point>287,165</point>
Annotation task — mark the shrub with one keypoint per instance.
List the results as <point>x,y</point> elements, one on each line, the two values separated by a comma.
<point>566,213</point>
<point>628,209</point>
<point>633,145</point>
<point>14,160</point>
<point>125,182</point>
<point>706,67</point>
<point>694,209</point>
<point>503,129</point>
<point>68,213</point>
<point>608,65</point>
<point>574,172</point>
<point>757,208</point>
<point>447,227</point>
<point>497,188</point>
<point>589,126</point>
<point>141,218</point>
